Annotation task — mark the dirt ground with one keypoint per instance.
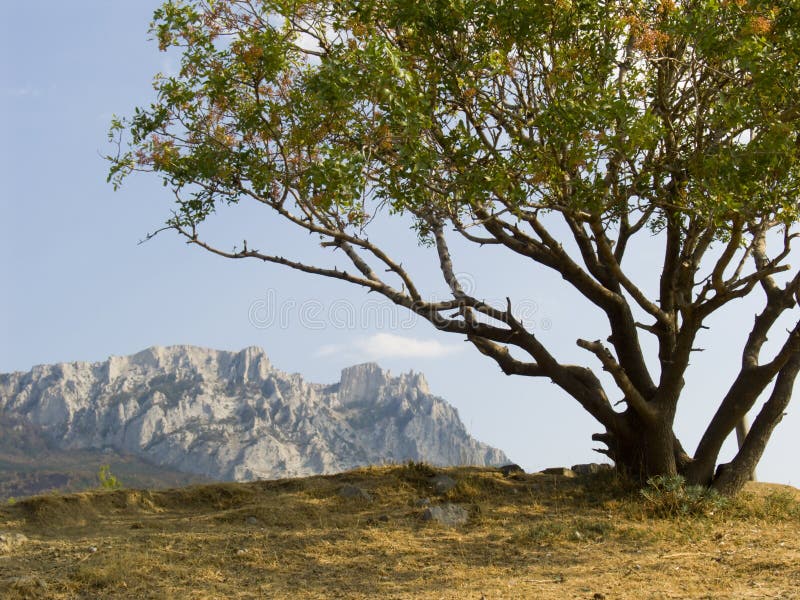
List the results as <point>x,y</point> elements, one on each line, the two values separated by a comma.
<point>527,536</point>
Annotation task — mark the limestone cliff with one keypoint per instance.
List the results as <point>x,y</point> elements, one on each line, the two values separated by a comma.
<point>232,416</point>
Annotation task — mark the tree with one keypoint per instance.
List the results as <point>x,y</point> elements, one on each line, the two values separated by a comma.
<point>556,130</point>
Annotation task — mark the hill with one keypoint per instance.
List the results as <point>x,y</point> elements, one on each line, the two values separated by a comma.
<point>364,534</point>
<point>32,464</point>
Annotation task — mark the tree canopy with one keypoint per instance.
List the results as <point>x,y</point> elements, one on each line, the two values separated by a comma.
<point>490,121</point>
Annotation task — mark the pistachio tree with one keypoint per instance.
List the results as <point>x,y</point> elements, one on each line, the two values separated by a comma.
<point>555,130</point>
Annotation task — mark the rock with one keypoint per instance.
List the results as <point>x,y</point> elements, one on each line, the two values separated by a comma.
<point>383,518</point>
<point>92,549</point>
<point>354,492</point>
<point>422,502</point>
<point>561,471</point>
<point>251,520</point>
<point>591,468</point>
<point>9,541</point>
<point>511,469</point>
<point>442,483</point>
<point>233,416</point>
<point>448,514</point>
<point>361,383</point>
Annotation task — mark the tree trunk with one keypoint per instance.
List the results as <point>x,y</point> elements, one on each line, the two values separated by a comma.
<point>739,399</point>
<point>730,478</point>
<point>742,429</point>
<point>642,450</point>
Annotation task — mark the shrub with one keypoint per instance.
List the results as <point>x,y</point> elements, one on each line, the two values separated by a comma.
<point>669,496</point>
<point>107,480</point>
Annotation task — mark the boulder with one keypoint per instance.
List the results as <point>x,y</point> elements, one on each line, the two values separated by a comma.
<point>442,483</point>
<point>591,468</point>
<point>451,515</point>
<point>354,492</point>
<point>511,469</point>
<point>560,471</point>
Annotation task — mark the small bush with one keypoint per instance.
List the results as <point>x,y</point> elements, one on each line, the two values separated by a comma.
<point>107,480</point>
<point>415,473</point>
<point>419,469</point>
<point>669,497</point>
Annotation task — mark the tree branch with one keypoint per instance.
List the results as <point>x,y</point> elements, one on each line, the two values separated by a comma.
<point>632,396</point>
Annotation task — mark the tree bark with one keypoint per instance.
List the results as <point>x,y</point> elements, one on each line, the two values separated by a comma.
<point>642,450</point>
<point>740,398</point>
<point>731,477</point>
<point>742,429</point>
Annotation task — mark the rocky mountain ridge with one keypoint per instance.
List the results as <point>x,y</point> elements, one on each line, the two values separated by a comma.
<point>233,416</point>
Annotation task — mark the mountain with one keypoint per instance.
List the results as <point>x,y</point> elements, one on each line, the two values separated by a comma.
<point>233,416</point>
<point>30,464</point>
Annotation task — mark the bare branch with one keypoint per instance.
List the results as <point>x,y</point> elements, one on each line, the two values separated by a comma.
<point>579,382</point>
<point>611,263</point>
<point>446,262</point>
<point>632,395</point>
<point>727,255</point>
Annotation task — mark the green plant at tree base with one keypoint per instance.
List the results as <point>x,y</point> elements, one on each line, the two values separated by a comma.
<point>107,480</point>
<point>670,497</point>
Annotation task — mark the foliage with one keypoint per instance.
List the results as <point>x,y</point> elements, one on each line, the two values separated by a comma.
<point>516,125</point>
<point>671,497</point>
<point>107,480</point>
<point>347,100</point>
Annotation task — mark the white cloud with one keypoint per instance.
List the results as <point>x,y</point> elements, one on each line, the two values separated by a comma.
<point>387,345</point>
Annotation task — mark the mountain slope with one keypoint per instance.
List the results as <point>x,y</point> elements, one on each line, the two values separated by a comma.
<point>232,416</point>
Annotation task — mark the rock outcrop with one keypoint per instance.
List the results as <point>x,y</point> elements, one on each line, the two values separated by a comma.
<point>233,416</point>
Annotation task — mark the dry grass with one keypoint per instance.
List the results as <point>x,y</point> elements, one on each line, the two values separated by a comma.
<point>531,536</point>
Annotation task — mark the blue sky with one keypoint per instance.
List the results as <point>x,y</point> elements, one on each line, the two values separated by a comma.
<point>78,286</point>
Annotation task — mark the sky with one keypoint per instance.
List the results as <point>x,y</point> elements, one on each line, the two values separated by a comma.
<point>78,285</point>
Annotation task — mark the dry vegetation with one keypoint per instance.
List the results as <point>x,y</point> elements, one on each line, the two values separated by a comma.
<point>529,536</point>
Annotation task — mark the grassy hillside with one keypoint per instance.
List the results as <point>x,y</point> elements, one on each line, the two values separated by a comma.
<point>527,536</point>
